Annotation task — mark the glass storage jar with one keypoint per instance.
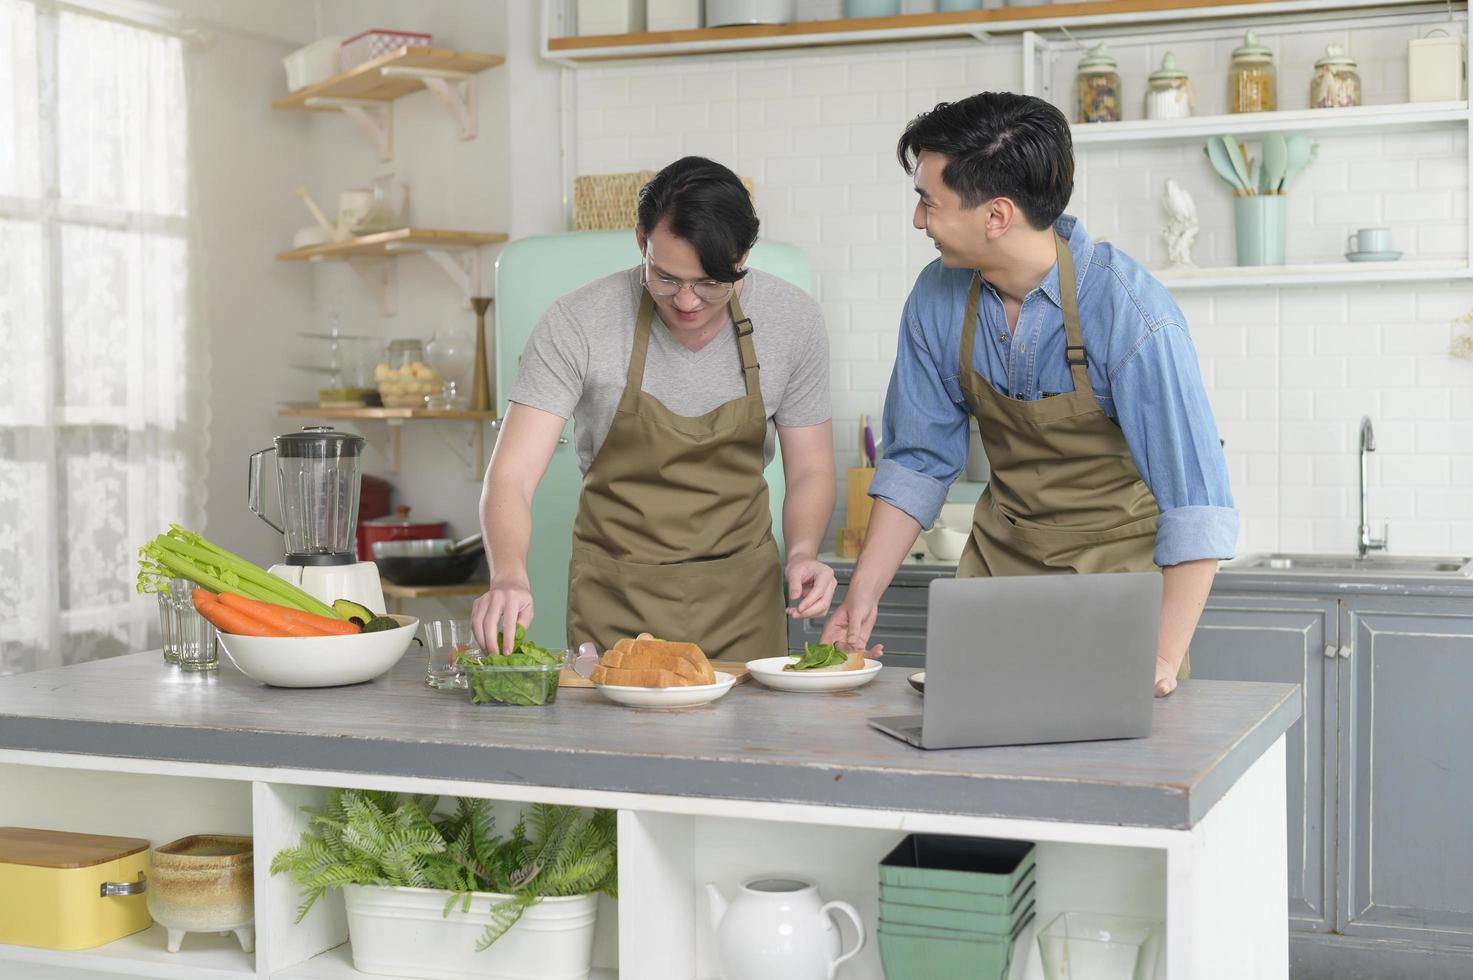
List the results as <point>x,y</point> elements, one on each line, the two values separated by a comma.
<point>1335,83</point>
<point>1169,92</point>
<point>1252,86</point>
<point>405,379</point>
<point>1098,86</point>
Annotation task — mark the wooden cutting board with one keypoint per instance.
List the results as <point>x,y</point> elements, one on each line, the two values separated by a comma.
<point>570,678</point>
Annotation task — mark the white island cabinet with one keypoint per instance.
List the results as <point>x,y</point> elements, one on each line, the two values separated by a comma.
<point>1186,826</point>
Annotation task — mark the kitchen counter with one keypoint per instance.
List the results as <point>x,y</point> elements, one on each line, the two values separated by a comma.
<point>1186,826</point>
<point>754,744</point>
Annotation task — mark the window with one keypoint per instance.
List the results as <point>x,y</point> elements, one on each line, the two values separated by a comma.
<point>101,374</point>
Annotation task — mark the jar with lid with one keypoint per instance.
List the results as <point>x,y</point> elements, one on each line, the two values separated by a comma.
<point>1335,83</point>
<point>1252,86</point>
<point>452,355</point>
<point>405,379</point>
<point>1098,86</point>
<point>1169,92</point>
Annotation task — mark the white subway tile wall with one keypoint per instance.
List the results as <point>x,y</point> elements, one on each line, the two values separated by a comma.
<point>1289,371</point>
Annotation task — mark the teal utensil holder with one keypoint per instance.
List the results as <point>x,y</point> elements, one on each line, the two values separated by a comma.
<point>1260,226</point>
<point>871,8</point>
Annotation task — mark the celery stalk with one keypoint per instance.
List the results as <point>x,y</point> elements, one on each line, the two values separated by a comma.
<point>179,553</point>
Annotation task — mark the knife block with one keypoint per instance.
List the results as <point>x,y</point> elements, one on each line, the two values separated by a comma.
<point>856,511</point>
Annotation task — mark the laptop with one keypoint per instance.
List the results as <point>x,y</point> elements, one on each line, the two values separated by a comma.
<point>1037,658</point>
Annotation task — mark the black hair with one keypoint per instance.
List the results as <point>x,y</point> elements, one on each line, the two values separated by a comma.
<point>708,206</point>
<point>998,144</point>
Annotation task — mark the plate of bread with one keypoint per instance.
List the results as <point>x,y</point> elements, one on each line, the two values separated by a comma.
<point>822,667</point>
<point>644,672</point>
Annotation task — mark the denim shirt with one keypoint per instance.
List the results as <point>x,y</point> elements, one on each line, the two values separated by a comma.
<point>1142,366</point>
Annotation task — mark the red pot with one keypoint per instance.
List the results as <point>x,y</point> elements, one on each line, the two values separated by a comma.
<point>398,527</point>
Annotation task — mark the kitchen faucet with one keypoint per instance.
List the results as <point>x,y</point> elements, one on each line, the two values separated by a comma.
<point>1364,541</point>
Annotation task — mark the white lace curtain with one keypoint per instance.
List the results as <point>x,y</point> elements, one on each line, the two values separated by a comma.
<point>99,357</point>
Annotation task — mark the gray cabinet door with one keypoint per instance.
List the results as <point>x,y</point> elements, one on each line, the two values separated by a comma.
<point>1406,770</point>
<point>1260,638</point>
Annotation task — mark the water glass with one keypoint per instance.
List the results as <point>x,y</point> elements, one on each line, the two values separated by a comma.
<point>1094,946</point>
<point>189,640</point>
<point>445,640</point>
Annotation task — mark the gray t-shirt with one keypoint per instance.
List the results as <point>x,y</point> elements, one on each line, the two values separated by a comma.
<point>577,361</point>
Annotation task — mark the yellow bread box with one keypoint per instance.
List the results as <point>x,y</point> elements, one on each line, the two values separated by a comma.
<point>70,891</point>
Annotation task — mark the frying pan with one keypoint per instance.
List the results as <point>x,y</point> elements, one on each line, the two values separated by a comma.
<point>429,561</point>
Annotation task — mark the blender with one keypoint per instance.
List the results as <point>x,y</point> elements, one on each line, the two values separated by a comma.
<point>317,479</point>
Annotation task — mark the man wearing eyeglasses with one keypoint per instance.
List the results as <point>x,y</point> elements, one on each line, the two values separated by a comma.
<point>677,374</point>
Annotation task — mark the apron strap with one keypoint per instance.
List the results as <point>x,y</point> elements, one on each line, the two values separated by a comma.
<point>751,373</point>
<point>969,321</point>
<point>1073,336</point>
<point>641,348</point>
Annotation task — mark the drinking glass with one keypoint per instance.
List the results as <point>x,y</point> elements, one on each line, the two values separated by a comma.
<point>445,640</point>
<point>189,640</point>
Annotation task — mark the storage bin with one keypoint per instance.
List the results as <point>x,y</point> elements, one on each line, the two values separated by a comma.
<point>947,917</point>
<point>311,64</point>
<point>69,891</point>
<point>962,901</point>
<point>610,16</point>
<point>988,929</point>
<point>363,48</point>
<point>979,865</point>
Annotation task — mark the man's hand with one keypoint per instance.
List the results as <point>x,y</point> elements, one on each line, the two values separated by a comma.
<point>1165,678</point>
<point>496,614</point>
<point>849,629</point>
<point>811,586</point>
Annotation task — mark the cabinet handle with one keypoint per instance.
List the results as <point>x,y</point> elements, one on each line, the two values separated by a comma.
<point>1331,651</point>
<point>562,440</point>
<point>1345,650</point>
<point>113,889</point>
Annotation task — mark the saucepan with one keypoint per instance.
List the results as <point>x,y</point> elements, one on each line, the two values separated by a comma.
<point>428,561</point>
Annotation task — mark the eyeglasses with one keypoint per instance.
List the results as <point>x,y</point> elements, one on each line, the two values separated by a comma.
<point>706,290</point>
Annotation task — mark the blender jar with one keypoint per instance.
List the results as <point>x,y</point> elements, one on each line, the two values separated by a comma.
<point>318,472</point>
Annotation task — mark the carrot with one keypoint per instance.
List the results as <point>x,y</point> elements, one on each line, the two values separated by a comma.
<point>228,620</point>
<point>268,610</point>
<point>269,615</point>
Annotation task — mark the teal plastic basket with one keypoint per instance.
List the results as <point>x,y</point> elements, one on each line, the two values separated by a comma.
<point>972,903</point>
<point>997,923</point>
<point>942,863</point>
<point>907,956</point>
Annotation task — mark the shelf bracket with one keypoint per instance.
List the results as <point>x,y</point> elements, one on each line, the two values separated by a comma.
<point>383,436</point>
<point>382,279</point>
<point>462,265</point>
<point>374,119</point>
<point>471,451</point>
<point>457,89</point>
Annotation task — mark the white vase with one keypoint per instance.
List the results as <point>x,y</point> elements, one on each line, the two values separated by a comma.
<point>403,932</point>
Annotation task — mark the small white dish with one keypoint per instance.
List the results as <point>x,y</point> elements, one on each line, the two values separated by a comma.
<point>1373,256</point>
<point>668,697</point>
<point>918,681</point>
<point>769,671</point>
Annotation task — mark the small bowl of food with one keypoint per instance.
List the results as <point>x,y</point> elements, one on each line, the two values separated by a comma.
<point>822,668</point>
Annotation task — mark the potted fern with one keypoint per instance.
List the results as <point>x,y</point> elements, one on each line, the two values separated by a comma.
<point>441,895</point>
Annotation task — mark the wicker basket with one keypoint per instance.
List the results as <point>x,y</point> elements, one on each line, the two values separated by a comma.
<point>605,202</point>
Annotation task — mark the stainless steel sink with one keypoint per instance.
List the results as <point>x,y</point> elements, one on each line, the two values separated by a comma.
<point>1373,565</point>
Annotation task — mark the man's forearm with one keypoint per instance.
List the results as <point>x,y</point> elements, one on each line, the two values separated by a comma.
<point>888,539</point>
<point>807,507</point>
<point>1184,590</point>
<point>506,522</point>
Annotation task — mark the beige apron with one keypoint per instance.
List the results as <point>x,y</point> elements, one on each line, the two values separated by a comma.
<point>673,534</point>
<point>1064,495</point>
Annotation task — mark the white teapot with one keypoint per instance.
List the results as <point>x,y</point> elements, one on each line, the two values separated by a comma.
<point>779,928</point>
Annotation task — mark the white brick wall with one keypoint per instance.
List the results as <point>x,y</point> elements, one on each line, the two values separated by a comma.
<point>1289,371</point>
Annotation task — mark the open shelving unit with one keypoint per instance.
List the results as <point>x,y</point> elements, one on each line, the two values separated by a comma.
<point>1409,116</point>
<point>372,258</point>
<point>365,94</point>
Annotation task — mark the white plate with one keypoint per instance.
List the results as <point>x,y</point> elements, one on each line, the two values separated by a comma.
<point>319,661</point>
<point>667,697</point>
<point>770,671</point>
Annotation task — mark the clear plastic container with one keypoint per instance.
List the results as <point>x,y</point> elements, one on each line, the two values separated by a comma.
<point>1252,82</point>
<point>1094,946</point>
<point>492,681</point>
<point>453,355</point>
<point>1097,87</point>
<point>1335,83</point>
<point>1169,92</point>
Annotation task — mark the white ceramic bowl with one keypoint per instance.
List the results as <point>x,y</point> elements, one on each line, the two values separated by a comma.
<point>668,697</point>
<point>319,661</point>
<point>769,671</point>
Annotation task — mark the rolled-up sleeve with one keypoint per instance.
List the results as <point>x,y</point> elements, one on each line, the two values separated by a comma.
<point>1167,422</point>
<point>925,431</point>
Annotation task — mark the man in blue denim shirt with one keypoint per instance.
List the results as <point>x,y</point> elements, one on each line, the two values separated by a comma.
<point>1077,365</point>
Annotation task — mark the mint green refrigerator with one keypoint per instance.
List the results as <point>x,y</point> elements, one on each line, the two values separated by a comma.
<point>530,274</point>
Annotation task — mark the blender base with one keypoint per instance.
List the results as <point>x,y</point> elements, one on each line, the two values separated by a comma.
<point>357,582</point>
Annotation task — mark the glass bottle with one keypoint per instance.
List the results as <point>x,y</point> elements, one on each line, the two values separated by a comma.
<point>1252,86</point>
<point>1335,83</point>
<point>1169,92</point>
<point>1097,85</point>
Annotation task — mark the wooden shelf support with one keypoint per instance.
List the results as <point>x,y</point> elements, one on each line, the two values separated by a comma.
<point>374,119</point>
<point>456,89</point>
<point>381,276</point>
<point>462,265</point>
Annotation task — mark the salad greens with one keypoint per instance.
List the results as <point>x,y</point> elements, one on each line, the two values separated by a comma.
<point>527,675</point>
<point>816,655</point>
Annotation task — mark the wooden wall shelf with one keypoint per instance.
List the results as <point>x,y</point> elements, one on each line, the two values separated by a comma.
<point>387,244</point>
<point>369,81</point>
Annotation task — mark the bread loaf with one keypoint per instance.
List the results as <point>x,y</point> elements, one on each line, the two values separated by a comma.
<point>647,662</point>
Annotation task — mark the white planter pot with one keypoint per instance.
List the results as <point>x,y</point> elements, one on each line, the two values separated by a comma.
<point>401,932</point>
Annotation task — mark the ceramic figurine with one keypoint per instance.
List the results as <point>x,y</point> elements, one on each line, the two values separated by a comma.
<point>1181,227</point>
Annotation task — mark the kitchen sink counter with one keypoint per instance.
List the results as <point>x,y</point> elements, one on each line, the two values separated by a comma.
<point>1356,578</point>
<point>754,744</point>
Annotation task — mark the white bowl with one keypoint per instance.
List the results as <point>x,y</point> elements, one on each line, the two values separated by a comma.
<point>319,661</point>
<point>668,697</point>
<point>769,671</point>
